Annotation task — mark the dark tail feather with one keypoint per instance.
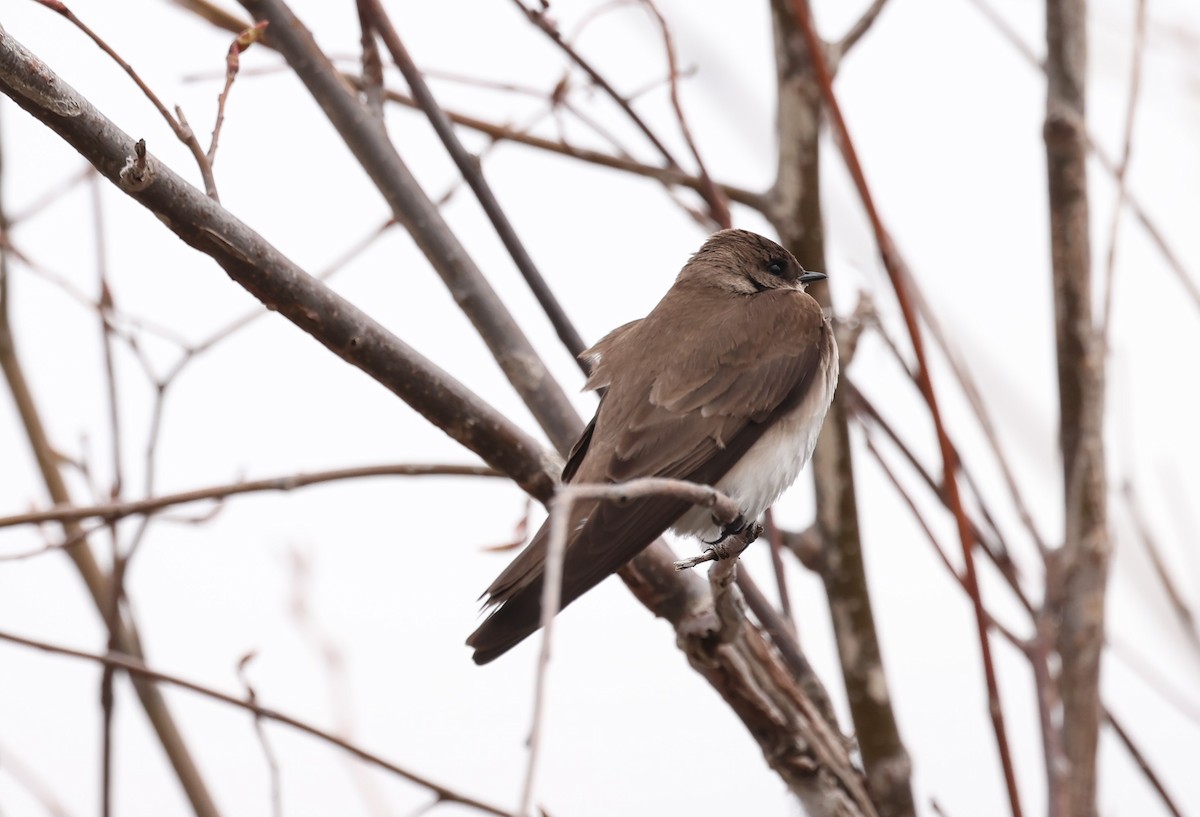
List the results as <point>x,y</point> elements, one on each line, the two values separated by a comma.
<point>509,624</point>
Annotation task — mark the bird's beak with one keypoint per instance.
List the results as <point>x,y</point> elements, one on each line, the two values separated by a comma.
<point>812,277</point>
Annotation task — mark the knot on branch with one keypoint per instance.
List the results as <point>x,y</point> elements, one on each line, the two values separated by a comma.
<point>138,173</point>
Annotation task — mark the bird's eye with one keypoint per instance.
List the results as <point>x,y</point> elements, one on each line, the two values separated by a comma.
<point>776,267</point>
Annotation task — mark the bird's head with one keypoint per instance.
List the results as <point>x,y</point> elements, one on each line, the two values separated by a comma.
<point>746,263</point>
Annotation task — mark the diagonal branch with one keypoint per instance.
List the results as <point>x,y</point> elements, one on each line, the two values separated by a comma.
<point>367,140</point>
<point>797,742</point>
<point>271,277</point>
<point>469,167</point>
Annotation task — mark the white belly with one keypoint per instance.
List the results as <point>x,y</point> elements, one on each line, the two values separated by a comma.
<point>772,464</point>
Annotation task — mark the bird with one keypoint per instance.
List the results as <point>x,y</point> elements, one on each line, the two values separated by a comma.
<point>726,382</point>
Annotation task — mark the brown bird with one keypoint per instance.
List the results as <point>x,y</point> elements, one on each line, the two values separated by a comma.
<point>726,382</point>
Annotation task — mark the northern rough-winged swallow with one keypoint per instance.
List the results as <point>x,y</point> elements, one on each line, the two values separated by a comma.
<point>726,382</point>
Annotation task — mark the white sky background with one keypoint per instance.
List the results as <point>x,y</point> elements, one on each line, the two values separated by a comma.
<point>947,119</point>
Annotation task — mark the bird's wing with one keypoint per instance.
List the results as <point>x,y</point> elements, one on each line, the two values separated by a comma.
<point>691,418</point>
<point>693,421</point>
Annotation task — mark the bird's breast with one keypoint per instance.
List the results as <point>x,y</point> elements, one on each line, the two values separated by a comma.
<point>772,464</point>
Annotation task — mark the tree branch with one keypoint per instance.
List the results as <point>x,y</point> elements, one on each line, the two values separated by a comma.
<point>113,511</point>
<point>1078,573</point>
<point>368,141</point>
<point>271,277</point>
<point>471,171</point>
<point>797,216</point>
<point>152,677</point>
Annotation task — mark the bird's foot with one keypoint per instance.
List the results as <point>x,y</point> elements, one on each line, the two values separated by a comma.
<point>732,529</point>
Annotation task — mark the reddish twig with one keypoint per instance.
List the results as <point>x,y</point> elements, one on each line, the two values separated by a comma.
<point>898,276</point>
<point>543,23</point>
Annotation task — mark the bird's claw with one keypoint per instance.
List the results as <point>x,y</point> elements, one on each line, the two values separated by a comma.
<point>732,529</point>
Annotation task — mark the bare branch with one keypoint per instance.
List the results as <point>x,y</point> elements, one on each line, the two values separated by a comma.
<point>138,669</point>
<point>725,510</point>
<point>240,43</point>
<point>1186,280</point>
<point>368,141</point>
<point>1143,764</point>
<point>1077,575</point>
<point>671,176</point>
<point>45,89</point>
<point>178,125</point>
<point>718,207</point>
<point>1135,87</point>
<point>268,752</point>
<point>471,171</point>
<point>272,278</point>
<point>749,674</point>
<point>121,509</point>
<point>796,213</point>
<point>861,26</point>
<point>541,20</point>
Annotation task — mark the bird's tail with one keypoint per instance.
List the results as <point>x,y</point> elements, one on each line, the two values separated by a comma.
<point>509,624</point>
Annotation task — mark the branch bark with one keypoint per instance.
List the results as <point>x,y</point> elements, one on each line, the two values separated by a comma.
<point>796,215</point>
<point>271,277</point>
<point>368,141</point>
<point>1079,571</point>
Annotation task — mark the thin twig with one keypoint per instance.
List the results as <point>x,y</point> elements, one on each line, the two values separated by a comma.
<point>1174,262</point>
<point>372,63</point>
<point>232,62</point>
<point>1142,763</point>
<point>51,93</point>
<point>34,786</point>
<point>1135,87</point>
<point>139,669</point>
<point>470,169</point>
<point>543,23</point>
<point>260,730</point>
<point>178,125</point>
<point>104,308</point>
<point>119,510</point>
<point>512,350</point>
<point>907,497</point>
<point>1179,604</point>
<point>855,33</point>
<point>718,207</point>
<point>865,409</point>
<point>666,175</point>
<point>775,541</point>
<point>273,278</point>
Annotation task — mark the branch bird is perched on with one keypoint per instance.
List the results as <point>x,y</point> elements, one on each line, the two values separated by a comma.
<point>726,382</point>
